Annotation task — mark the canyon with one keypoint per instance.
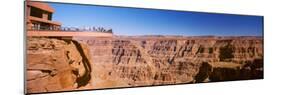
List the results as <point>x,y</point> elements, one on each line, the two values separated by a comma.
<point>57,64</point>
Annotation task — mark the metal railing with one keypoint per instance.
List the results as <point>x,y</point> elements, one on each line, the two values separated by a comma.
<point>72,29</point>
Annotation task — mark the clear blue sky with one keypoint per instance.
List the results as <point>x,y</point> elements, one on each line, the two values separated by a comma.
<point>129,21</point>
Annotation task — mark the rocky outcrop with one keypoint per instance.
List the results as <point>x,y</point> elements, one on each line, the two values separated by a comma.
<point>140,61</point>
<point>214,72</point>
<point>55,64</point>
<point>60,64</point>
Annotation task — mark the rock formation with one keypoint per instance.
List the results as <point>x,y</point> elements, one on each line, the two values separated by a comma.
<point>143,61</point>
<point>56,64</point>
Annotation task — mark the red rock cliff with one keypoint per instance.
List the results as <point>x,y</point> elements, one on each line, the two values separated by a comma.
<point>140,61</point>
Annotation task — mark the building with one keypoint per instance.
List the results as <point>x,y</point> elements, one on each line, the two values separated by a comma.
<point>39,16</point>
<point>39,23</point>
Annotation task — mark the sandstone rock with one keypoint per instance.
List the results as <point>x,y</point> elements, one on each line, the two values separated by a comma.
<point>52,63</point>
<point>139,61</point>
<point>55,64</point>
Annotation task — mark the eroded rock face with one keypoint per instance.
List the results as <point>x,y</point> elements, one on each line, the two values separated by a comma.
<point>57,65</point>
<point>140,61</point>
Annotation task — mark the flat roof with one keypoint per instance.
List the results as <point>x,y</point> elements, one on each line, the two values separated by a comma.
<point>40,5</point>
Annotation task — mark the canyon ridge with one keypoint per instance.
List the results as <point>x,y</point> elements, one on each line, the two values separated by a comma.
<point>57,64</point>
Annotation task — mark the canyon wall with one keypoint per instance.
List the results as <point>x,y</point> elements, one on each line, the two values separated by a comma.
<point>143,61</point>
<point>55,64</point>
<point>76,63</point>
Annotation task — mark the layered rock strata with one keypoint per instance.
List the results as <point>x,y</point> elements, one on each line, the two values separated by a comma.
<point>55,64</point>
<point>143,61</point>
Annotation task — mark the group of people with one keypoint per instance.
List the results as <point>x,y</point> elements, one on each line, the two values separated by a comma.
<point>93,29</point>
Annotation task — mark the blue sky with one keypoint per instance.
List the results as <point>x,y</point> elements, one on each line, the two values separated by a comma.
<point>130,21</point>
